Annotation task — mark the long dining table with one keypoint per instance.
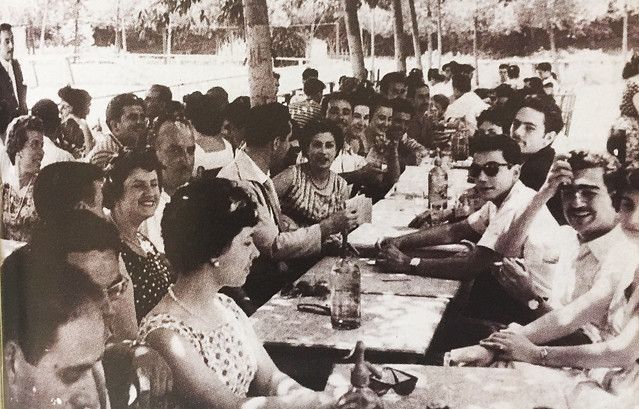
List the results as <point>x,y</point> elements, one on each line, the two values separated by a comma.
<point>400,313</point>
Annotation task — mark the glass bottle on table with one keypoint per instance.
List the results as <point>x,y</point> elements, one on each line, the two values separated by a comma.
<point>346,306</point>
<point>359,392</point>
<point>437,190</point>
<point>460,142</point>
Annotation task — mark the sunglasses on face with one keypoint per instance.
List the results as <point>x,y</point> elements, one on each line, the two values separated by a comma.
<point>490,169</point>
<point>401,382</point>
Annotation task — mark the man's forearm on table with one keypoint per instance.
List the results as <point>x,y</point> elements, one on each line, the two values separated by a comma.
<point>460,268</point>
<point>431,236</point>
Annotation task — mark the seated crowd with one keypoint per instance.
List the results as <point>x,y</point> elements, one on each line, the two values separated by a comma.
<point>148,245</point>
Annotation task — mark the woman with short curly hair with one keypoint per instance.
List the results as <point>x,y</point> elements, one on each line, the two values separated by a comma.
<point>24,148</point>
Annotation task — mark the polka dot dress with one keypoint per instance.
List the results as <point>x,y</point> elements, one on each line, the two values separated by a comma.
<point>226,350</point>
<point>151,276</point>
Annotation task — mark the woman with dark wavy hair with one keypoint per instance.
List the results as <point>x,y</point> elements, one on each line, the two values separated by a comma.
<point>132,192</point>
<point>216,358</point>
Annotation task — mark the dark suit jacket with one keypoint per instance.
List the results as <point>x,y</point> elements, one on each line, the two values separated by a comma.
<point>9,108</point>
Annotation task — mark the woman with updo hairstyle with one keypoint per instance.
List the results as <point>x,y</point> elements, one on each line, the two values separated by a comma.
<point>310,192</point>
<point>206,113</point>
<point>132,192</point>
<point>215,356</point>
<point>75,135</point>
<point>624,134</point>
<point>24,148</point>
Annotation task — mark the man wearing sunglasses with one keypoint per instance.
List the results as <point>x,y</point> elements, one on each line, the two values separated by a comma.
<point>496,167</point>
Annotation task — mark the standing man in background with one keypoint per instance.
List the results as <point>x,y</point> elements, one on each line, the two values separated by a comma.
<point>13,92</point>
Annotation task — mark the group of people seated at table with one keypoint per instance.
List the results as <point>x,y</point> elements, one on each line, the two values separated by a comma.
<point>148,246</point>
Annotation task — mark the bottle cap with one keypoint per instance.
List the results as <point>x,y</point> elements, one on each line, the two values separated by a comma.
<point>360,374</point>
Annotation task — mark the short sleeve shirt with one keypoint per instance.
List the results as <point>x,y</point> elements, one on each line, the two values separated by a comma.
<point>539,251</point>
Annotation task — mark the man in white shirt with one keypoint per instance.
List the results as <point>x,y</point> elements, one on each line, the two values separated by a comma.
<point>13,92</point>
<point>467,105</point>
<point>592,250</point>
<point>544,71</point>
<point>496,166</point>
<point>174,144</point>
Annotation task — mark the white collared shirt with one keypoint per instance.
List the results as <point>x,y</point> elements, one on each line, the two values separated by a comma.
<point>8,66</point>
<point>468,106</point>
<point>347,161</point>
<point>539,251</point>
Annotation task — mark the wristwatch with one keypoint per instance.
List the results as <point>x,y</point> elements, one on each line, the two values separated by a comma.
<point>414,262</point>
<point>535,303</point>
<point>543,355</point>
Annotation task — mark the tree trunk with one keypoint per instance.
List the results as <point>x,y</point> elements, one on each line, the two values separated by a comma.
<point>398,25</point>
<point>124,47</point>
<point>338,50</point>
<point>169,36</point>
<point>429,37</point>
<point>373,44</point>
<point>76,39</point>
<point>550,6</point>
<point>43,26</point>
<point>258,48</point>
<point>415,32</point>
<point>440,49</point>
<point>354,40</point>
<point>475,50</point>
<point>624,35</point>
<point>118,44</point>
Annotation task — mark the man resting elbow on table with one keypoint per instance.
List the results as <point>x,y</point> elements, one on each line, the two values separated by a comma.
<point>496,168</point>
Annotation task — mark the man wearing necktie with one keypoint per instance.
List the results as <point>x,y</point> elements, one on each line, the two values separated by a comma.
<point>13,92</point>
<point>268,130</point>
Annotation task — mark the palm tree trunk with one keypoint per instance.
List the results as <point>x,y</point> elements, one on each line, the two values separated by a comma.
<point>398,25</point>
<point>415,32</point>
<point>354,40</point>
<point>258,48</point>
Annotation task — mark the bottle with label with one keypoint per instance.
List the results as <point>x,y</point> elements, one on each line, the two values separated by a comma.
<point>437,190</point>
<point>346,306</point>
<point>359,392</point>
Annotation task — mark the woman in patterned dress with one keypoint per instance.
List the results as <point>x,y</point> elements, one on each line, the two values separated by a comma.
<point>132,192</point>
<point>216,357</point>
<point>25,152</point>
<point>624,135</point>
<point>310,192</point>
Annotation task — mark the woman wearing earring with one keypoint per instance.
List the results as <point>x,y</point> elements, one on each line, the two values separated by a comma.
<point>132,192</point>
<point>24,147</point>
<point>311,192</point>
<point>206,339</point>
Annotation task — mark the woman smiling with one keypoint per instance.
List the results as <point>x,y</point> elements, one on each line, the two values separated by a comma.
<point>132,192</point>
<point>311,192</point>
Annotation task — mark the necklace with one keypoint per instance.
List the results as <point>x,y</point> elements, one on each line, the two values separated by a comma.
<point>318,187</point>
<point>184,307</point>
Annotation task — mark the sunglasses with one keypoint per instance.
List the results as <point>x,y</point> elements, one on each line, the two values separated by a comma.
<point>116,289</point>
<point>303,288</point>
<point>490,169</point>
<point>401,382</point>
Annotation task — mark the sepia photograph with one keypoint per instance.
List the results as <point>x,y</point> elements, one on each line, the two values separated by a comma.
<point>319,204</point>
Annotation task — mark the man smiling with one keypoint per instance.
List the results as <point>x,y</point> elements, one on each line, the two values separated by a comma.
<point>593,247</point>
